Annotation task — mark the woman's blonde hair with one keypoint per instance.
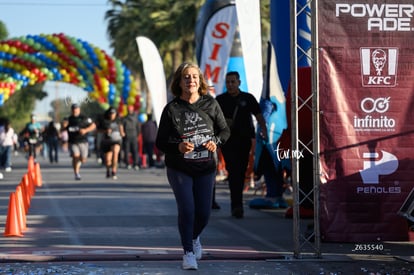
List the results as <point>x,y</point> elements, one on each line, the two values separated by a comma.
<point>175,84</point>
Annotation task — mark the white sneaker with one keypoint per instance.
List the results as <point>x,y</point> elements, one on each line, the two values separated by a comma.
<point>8,169</point>
<point>197,248</point>
<point>189,261</point>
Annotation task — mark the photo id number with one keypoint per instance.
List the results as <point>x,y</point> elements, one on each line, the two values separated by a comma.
<point>368,247</point>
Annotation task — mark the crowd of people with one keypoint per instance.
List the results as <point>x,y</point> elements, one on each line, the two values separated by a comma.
<point>200,137</point>
<point>116,140</point>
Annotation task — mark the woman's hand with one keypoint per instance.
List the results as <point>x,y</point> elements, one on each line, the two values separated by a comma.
<point>210,145</point>
<point>185,147</point>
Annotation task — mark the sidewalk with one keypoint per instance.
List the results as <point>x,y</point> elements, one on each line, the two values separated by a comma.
<point>128,226</point>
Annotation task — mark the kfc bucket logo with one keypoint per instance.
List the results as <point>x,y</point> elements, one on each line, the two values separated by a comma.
<point>379,67</point>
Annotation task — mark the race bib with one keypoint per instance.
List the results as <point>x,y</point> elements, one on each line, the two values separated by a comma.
<point>196,155</point>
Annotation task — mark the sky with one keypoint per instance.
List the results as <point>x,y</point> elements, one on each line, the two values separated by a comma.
<point>82,19</point>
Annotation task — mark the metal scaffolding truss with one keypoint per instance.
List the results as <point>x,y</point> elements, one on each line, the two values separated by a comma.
<point>306,234</point>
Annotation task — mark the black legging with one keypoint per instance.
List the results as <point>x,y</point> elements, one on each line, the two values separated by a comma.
<point>32,148</point>
<point>193,196</point>
<point>236,156</point>
<point>131,146</point>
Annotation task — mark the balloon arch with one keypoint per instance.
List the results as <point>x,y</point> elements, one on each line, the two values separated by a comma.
<point>57,57</point>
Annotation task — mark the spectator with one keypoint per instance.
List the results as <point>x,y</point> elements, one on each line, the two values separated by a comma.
<point>238,108</point>
<point>267,163</point>
<point>131,128</point>
<point>149,134</point>
<point>7,141</point>
<point>52,140</point>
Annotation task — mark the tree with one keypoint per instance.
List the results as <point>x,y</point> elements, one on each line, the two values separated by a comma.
<point>3,31</point>
<point>169,24</point>
<point>21,104</point>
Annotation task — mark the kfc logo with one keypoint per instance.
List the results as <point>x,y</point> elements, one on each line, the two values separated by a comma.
<point>379,67</point>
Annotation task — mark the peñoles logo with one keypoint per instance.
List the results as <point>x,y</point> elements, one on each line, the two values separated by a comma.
<point>376,165</point>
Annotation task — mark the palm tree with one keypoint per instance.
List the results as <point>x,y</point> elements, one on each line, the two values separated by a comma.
<point>168,23</point>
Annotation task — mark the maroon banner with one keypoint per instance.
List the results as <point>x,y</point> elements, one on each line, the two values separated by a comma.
<point>366,87</point>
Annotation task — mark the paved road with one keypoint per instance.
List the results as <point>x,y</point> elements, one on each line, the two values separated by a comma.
<point>128,226</point>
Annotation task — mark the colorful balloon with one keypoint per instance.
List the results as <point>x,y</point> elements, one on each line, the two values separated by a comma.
<point>34,59</point>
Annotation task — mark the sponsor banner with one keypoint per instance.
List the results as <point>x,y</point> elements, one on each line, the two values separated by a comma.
<point>216,43</point>
<point>366,89</point>
<point>228,38</point>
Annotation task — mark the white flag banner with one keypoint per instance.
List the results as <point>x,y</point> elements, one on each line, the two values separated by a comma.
<point>154,74</point>
<point>248,14</point>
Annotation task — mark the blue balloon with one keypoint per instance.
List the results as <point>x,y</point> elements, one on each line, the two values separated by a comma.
<point>142,117</point>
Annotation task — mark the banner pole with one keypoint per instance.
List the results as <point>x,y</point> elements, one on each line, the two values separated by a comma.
<point>315,126</point>
<point>294,128</point>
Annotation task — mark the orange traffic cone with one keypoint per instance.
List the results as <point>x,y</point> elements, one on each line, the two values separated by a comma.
<point>21,214</point>
<point>30,164</point>
<point>12,228</point>
<point>31,182</point>
<point>26,193</point>
<point>38,175</point>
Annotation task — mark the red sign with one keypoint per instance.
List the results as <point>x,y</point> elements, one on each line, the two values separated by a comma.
<point>366,87</point>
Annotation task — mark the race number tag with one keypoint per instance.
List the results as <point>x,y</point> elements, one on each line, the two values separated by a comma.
<point>196,155</point>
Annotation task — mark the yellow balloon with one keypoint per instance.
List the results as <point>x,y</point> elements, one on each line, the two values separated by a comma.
<point>131,100</point>
<point>94,94</point>
<point>26,73</point>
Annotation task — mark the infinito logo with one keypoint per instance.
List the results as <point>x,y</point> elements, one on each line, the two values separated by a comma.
<point>379,105</point>
<point>372,122</point>
<point>379,67</point>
